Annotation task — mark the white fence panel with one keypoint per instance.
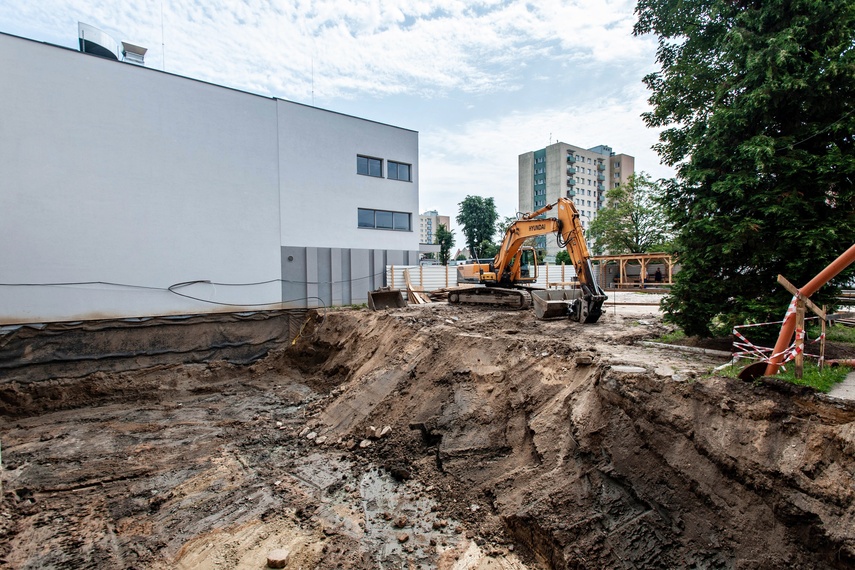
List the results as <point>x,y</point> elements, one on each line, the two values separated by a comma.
<point>433,277</point>
<point>428,277</point>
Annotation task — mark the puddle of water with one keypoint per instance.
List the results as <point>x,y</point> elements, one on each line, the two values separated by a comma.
<point>378,511</point>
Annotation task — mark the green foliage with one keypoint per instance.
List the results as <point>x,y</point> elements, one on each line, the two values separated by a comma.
<point>757,105</point>
<point>487,250</point>
<point>632,221</point>
<point>445,239</point>
<point>563,257</point>
<point>478,217</point>
<point>822,380</point>
<point>460,257</point>
<point>672,336</point>
<point>838,333</point>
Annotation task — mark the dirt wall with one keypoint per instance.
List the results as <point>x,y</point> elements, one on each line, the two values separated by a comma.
<point>511,441</point>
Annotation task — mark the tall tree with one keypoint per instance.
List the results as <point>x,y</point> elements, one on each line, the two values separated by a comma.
<point>445,239</point>
<point>478,217</point>
<point>757,102</point>
<point>632,221</point>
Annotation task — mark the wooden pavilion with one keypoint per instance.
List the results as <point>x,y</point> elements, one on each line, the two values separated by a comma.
<point>643,260</point>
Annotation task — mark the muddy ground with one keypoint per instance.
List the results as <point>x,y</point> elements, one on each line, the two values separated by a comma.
<point>430,437</point>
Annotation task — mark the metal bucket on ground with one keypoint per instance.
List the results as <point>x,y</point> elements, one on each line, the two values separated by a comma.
<point>549,304</point>
<point>385,298</point>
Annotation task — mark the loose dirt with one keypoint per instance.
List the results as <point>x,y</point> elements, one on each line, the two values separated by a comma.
<point>430,437</point>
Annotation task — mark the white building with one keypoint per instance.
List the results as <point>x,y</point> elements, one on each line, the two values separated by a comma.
<point>127,191</point>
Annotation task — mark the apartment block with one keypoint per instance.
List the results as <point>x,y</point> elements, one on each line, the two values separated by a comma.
<point>428,224</point>
<point>566,170</point>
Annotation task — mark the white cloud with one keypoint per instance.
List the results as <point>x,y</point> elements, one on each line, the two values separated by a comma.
<point>368,48</point>
<point>481,156</point>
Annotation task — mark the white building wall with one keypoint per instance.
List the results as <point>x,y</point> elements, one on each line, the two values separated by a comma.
<point>321,191</point>
<point>119,182</point>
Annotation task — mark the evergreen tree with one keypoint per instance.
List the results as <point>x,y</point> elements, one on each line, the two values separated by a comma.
<point>478,217</point>
<point>445,239</point>
<point>757,101</point>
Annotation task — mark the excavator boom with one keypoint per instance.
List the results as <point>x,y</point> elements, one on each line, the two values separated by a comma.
<point>508,270</point>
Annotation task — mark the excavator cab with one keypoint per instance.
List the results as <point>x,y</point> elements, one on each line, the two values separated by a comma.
<point>528,264</point>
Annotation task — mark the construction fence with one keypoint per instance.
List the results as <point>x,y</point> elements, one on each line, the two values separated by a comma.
<point>434,277</point>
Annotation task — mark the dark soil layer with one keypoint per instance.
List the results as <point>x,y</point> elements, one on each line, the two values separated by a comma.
<point>511,443</point>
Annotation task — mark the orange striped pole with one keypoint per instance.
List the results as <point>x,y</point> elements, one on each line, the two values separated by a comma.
<point>812,287</point>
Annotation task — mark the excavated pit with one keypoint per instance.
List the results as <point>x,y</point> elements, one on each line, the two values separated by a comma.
<point>511,443</point>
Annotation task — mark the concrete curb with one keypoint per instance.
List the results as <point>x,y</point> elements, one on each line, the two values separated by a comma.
<point>693,349</point>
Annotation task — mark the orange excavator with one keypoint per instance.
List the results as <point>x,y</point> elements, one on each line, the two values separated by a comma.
<point>505,280</point>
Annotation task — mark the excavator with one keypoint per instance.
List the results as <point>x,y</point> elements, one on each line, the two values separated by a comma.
<point>505,279</point>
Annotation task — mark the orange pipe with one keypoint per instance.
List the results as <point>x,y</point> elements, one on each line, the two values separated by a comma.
<point>841,362</point>
<point>789,325</point>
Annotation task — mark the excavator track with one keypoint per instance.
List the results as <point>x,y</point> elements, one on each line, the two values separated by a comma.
<point>511,298</point>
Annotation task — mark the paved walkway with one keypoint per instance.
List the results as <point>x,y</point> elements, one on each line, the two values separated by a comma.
<point>846,389</point>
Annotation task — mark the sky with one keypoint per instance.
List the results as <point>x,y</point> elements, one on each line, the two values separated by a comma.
<point>481,81</point>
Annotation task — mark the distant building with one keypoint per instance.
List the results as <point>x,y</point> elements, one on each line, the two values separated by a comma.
<point>428,224</point>
<point>464,252</point>
<point>571,171</point>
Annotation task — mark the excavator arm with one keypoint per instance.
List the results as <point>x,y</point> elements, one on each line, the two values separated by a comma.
<point>570,235</point>
<point>506,269</point>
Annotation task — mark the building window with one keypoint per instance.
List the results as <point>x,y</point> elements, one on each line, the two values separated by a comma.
<point>384,220</point>
<point>398,171</point>
<point>369,166</point>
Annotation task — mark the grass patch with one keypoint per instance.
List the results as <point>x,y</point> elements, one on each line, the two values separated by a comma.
<point>821,380</point>
<point>729,371</point>
<point>670,337</point>
<point>838,333</point>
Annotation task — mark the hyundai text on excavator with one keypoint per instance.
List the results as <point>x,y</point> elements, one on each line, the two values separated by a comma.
<point>505,279</point>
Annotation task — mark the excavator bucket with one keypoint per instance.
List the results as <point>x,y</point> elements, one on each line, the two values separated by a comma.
<point>549,304</point>
<point>385,298</point>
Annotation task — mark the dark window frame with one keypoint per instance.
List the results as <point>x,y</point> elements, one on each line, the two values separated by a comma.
<point>396,217</point>
<point>397,164</point>
<point>368,163</point>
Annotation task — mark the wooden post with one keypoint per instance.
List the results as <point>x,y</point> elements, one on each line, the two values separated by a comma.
<point>822,341</point>
<point>421,276</point>
<point>800,338</point>
<point>562,275</point>
<point>392,284</point>
<point>446,276</point>
<point>547,273</point>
